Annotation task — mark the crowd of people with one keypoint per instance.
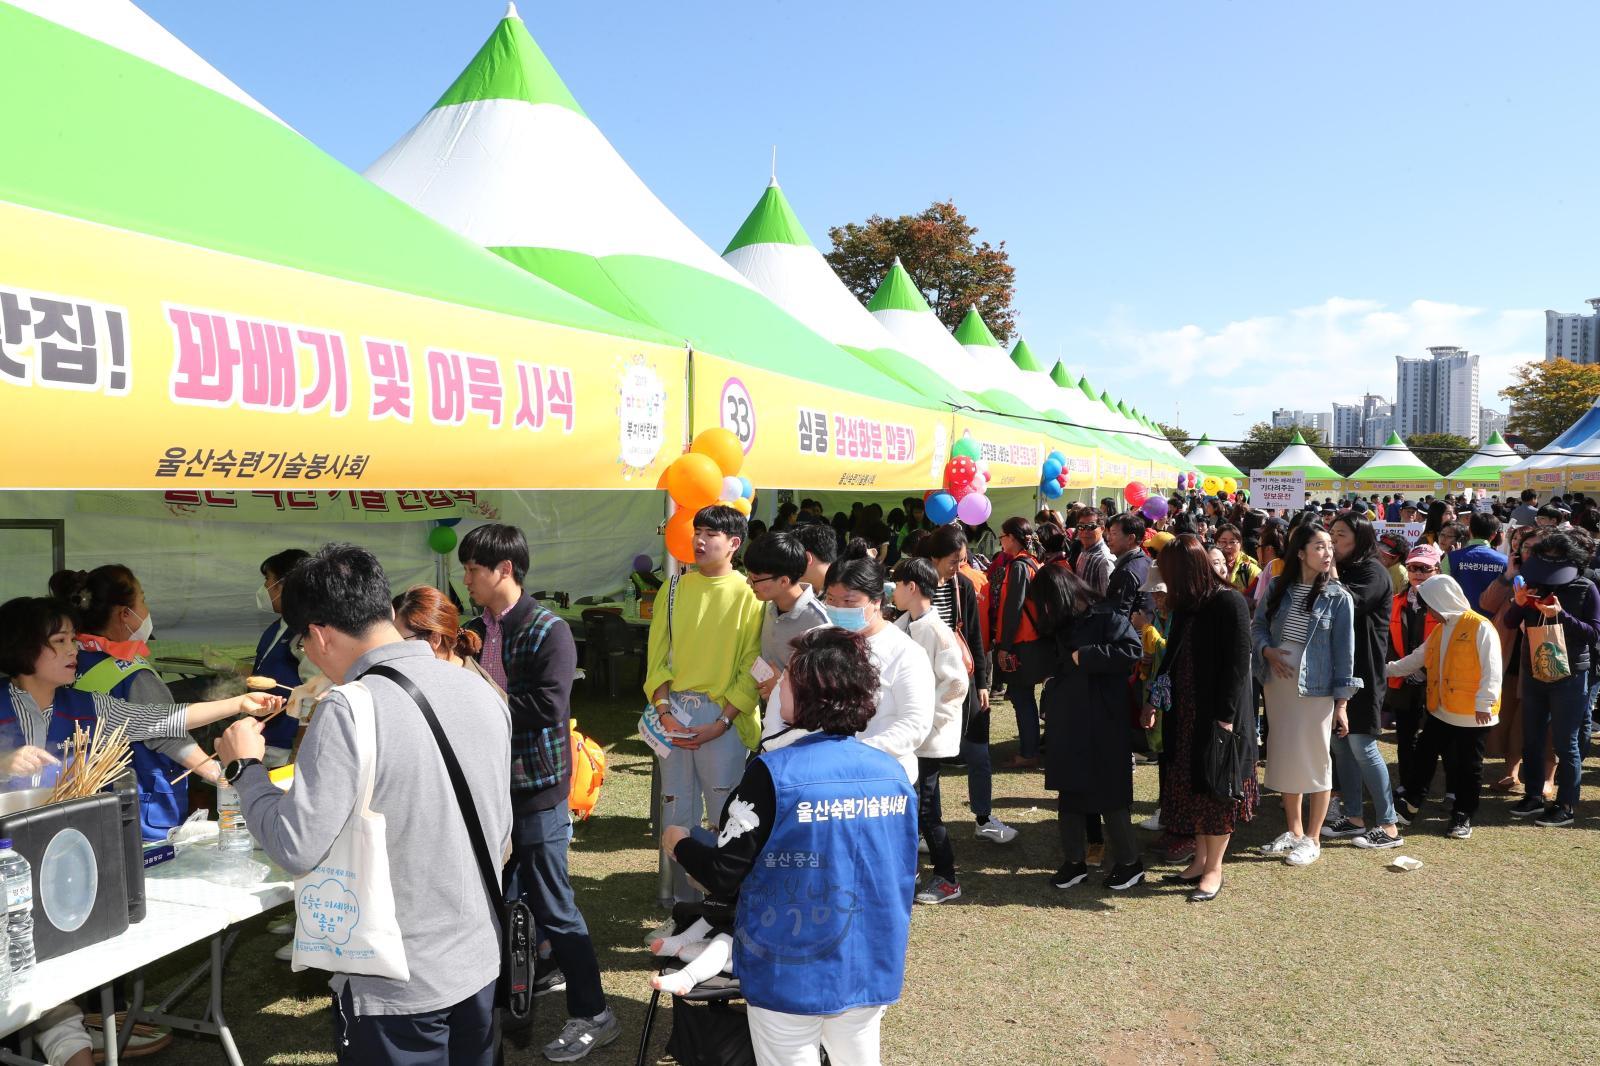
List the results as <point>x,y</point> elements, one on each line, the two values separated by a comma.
<point>816,680</point>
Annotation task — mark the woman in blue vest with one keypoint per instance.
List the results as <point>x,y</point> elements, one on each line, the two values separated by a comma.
<point>276,656</point>
<point>819,842</point>
<point>40,707</point>
<point>114,623</point>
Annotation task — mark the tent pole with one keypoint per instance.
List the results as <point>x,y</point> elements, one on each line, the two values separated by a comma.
<point>665,897</point>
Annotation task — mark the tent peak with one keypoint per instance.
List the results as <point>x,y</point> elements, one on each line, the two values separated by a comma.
<point>898,292</point>
<point>1394,440</point>
<point>510,66</point>
<point>1495,438</point>
<point>771,221</point>
<point>511,10</point>
<point>973,330</point>
<point>1297,438</point>
<point>1205,438</point>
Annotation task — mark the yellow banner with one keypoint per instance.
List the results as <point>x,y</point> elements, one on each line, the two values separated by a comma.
<point>1418,485</point>
<point>1015,454</point>
<point>1513,482</point>
<point>798,435</point>
<point>1583,478</point>
<point>133,362</point>
<point>1547,480</point>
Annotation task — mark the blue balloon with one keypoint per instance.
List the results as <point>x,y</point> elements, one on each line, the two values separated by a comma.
<point>1061,460</point>
<point>1052,468</point>
<point>940,508</point>
<point>448,522</point>
<point>1051,489</point>
<point>749,489</point>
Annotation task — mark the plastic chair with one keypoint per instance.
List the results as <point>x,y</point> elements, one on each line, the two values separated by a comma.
<point>608,643</point>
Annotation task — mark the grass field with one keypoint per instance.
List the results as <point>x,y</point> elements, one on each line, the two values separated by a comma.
<point>1485,955</point>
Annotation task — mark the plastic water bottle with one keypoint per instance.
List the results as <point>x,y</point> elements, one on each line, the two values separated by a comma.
<point>18,878</point>
<point>5,954</point>
<point>231,832</point>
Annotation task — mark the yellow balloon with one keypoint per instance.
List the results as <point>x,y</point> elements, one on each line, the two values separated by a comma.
<point>1211,485</point>
<point>723,447</point>
<point>1230,485</point>
<point>741,505</point>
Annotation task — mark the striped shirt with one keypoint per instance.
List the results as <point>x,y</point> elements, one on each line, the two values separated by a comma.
<point>944,601</point>
<point>1296,619</point>
<point>143,721</point>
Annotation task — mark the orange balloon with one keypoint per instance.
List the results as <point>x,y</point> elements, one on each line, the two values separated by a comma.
<point>695,481</point>
<point>723,447</point>
<point>680,536</point>
<point>741,505</point>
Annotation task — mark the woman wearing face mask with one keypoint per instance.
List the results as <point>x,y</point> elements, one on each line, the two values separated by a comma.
<point>277,654</point>
<point>1361,764</point>
<point>114,626</point>
<point>1304,637</point>
<point>904,715</point>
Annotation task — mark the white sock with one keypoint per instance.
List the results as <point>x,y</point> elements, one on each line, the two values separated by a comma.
<point>671,945</point>
<point>712,960</point>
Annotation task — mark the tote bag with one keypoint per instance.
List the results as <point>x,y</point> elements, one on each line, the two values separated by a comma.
<point>1547,652</point>
<point>344,908</point>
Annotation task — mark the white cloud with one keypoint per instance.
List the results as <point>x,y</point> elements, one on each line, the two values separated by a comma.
<point>1306,358</point>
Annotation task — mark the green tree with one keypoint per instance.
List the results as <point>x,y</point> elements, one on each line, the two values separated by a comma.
<point>1265,441</point>
<point>1179,437</point>
<point>1442,451</point>
<point>940,249</point>
<point>1548,397</point>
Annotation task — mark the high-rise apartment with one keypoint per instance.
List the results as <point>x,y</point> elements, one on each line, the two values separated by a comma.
<point>1438,394</point>
<point>1575,337</point>
<point>1347,423</point>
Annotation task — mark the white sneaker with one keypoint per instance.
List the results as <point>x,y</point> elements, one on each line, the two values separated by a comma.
<point>285,953</point>
<point>996,830</point>
<point>281,927</point>
<point>1279,846</point>
<point>1305,852</point>
<point>1153,823</point>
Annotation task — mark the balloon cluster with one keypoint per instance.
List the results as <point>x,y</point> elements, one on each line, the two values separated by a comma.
<point>966,481</point>
<point>1209,484</point>
<point>707,473</point>
<point>1053,476</point>
<point>1152,505</point>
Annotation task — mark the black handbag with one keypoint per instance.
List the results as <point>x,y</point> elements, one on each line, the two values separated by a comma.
<point>1222,763</point>
<point>514,992</point>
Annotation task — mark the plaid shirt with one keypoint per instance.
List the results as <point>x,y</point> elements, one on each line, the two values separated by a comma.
<point>540,660</point>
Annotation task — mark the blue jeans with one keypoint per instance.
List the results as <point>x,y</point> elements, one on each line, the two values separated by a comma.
<point>1559,708</point>
<point>1026,704</point>
<point>467,1034</point>
<point>707,773</point>
<point>539,842</point>
<point>1361,765</point>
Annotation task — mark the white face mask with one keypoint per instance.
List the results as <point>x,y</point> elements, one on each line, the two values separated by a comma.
<point>264,600</point>
<point>142,634</point>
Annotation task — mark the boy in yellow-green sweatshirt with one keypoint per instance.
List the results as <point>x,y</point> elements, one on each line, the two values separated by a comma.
<point>702,648</point>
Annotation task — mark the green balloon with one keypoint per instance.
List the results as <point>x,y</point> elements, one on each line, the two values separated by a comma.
<point>967,447</point>
<point>442,539</point>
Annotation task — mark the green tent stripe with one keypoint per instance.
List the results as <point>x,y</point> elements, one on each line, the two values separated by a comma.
<point>897,292</point>
<point>772,221</point>
<point>510,66</point>
<point>101,103</point>
<point>1022,356</point>
<point>973,330</point>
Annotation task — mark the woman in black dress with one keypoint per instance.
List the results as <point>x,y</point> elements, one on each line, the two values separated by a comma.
<point>1207,663</point>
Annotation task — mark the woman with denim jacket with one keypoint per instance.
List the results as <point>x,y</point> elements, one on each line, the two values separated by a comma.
<point>1304,636</point>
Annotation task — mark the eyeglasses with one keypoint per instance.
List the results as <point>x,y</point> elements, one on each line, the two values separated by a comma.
<point>1420,568</point>
<point>752,579</point>
<point>1084,528</point>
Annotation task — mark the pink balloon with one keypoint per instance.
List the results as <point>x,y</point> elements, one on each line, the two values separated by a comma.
<point>974,509</point>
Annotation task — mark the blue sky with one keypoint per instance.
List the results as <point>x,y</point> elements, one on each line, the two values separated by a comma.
<point>1234,206</point>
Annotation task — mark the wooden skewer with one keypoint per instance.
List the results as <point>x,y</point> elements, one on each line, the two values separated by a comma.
<point>264,721</point>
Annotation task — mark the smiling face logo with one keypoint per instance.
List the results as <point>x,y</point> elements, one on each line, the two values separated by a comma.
<point>329,911</point>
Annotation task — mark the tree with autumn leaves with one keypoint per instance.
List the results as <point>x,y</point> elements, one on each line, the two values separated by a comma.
<point>1548,397</point>
<point>941,250</point>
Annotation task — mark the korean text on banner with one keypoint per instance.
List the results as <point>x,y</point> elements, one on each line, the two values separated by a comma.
<point>220,372</point>
<point>1277,492</point>
<point>1014,455</point>
<point>275,506</point>
<point>801,435</point>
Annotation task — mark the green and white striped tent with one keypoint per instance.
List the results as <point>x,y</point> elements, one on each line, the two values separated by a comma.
<point>1207,458</point>
<point>1483,466</point>
<point>1393,462</point>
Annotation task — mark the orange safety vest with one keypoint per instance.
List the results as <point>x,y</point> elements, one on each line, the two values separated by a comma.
<point>1397,632</point>
<point>1454,672</point>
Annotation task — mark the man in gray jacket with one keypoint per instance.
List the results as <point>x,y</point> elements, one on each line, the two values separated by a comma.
<point>338,601</point>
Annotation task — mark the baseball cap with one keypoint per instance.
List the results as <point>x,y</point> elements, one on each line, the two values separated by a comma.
<point>1425,553</point>
<point>1394,543</point>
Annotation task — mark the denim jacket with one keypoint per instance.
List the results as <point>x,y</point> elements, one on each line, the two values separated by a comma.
<point>1328,666</point>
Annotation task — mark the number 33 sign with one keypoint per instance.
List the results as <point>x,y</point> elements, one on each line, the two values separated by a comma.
<point>738,413</point>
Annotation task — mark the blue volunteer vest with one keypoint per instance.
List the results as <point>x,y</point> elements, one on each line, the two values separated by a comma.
<point>162,804</point>
<point>274,659</point>
<point>69,708</point>
<point>825,912</point>
<point>1475,569</point>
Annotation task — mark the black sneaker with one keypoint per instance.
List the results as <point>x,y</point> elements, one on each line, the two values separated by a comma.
<point>1070,875</point>
<point>1376,839</point>
<point>1122,878</point>
<point>1555,816</point>
<point>1460,828</point>
<point>548,978</point>
<point>1342,829</point>
<point>1527,807</point>
<point>1404,812</point>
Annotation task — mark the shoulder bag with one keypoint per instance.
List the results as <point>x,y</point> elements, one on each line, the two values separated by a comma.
<point>514,993</point>
<point>961,634</point>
